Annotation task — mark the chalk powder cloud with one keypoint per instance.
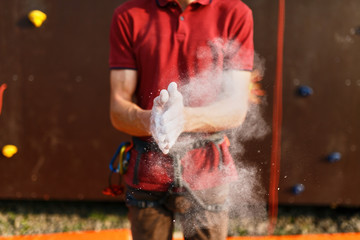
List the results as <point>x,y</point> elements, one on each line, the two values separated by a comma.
<point>246,201</point>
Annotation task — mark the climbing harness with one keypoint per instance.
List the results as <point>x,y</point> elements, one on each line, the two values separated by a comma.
<point>130,200</point>
<point>121,159</point>
<point>142,147</point>
<point>178,183</point>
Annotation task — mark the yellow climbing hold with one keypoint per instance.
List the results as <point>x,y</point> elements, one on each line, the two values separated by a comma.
<point>9,150</point>
<point>37,17</point>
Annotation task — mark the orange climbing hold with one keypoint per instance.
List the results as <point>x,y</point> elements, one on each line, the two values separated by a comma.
<point>2,89</point>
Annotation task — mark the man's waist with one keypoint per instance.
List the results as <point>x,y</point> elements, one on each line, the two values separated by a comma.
<point>185,142</point>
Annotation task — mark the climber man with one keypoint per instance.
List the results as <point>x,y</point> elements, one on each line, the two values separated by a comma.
<point>180,73</point>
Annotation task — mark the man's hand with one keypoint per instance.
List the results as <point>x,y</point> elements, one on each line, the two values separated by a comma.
<point>173,117</point>
<point>167,117</point>
<point>156,118</point>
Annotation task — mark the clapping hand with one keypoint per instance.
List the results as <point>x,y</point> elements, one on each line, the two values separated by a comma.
<point>167,117</point>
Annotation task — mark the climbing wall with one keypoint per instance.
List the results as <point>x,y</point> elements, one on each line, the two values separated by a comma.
<point>54,92</point>
<point>321,114</point>
<point>320,141</point>
<point>55,106</point>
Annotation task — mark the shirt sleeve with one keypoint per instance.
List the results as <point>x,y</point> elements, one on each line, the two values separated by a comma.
<point>240,52</point>
<point>121,48</point>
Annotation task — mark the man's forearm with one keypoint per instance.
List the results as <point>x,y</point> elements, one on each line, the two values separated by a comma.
<point>216,117</point>
<point>129,118</point>
<point>125,115</point>
<point>225,113</point>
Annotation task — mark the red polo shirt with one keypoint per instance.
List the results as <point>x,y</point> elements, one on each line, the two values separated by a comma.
<point>165,44</point>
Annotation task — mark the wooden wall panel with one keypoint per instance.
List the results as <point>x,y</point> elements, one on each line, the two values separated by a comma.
<point>55,107</point>
<point>321,52</point>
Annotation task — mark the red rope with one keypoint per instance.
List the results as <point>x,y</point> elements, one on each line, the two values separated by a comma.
<point>2,89</point>
<point>277,121</point>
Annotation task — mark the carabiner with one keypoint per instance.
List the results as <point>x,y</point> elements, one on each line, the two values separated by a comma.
<point>124,148</point>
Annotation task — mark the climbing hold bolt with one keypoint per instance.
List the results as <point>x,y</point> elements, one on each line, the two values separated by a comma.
<point>9,150</point>
<point>37,17</point>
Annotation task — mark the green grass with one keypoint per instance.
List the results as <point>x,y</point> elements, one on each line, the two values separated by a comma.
<point>36,217</point>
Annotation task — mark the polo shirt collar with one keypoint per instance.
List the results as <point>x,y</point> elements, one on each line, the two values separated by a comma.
<point>163,3</point>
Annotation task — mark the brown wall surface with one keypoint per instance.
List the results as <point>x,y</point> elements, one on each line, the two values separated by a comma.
<point>55,108</point>
<point>322,51</point>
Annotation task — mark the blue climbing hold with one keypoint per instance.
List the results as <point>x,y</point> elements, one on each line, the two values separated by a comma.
<point>334,157</point>
<point>305,91</point>
<point>298,188</point>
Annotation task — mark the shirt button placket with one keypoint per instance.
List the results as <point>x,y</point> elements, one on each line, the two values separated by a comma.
<point>181,30</point>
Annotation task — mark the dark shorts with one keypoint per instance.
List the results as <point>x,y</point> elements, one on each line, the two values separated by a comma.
<point>157,223</point>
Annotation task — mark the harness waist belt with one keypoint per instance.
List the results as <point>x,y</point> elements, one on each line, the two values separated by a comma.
<point>142,146</point>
